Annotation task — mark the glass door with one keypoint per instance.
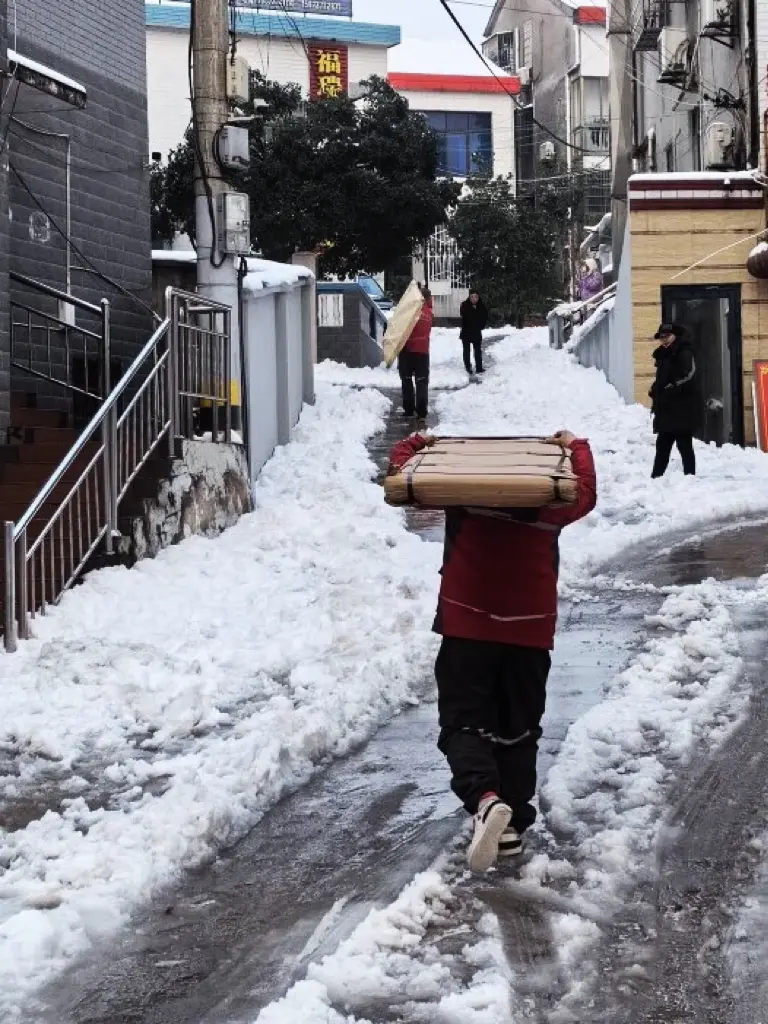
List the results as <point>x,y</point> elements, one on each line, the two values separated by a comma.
<point>712,315</point>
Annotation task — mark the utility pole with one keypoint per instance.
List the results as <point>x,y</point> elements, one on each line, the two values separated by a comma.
<point>622,111</point>
<point>216,271</point>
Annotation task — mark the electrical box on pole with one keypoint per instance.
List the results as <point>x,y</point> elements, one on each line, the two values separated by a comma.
<point>233,223</point>
<point>238,80</point>
<point>233,147</point>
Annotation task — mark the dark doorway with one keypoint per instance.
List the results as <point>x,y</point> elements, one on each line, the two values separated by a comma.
<point>712,314</point>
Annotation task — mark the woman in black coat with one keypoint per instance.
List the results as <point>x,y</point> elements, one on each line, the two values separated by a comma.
<point>675,396</point>
<point>474,320</point>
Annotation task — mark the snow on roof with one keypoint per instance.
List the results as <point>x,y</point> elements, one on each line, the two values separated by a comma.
<point>261,273</point>
<point>651,179</point>
<point>268,274</point>
<point>46,72</point>
<point>436,57</point>
<point>174,256</point>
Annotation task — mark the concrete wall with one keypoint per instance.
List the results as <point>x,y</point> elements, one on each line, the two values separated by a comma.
<point>667,240</point>
<point>100,45</point>
<point>279,369</point>
<point>553,55</point>
<point>352,343</point>
<point>605,340</point>
<point>282,60</point>
<point>663,110</point>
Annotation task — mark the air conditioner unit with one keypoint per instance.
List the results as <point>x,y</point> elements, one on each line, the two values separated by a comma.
<point>673,55</point>
<point>717,18</point>
<point>524,74</point>
<point>719,145</point>
<point>546,152</point>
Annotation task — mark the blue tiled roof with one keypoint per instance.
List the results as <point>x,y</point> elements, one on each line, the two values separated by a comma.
<point>337,30</point>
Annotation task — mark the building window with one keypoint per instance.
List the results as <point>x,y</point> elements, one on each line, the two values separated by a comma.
<point>669,156</point>
<point>465,142</point>
<point>590,114</point>
<point>508,52</point>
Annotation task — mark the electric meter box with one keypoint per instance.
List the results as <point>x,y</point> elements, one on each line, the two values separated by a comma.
<point>234,148</point>
<point>238,80</point>
<point>233,223</point>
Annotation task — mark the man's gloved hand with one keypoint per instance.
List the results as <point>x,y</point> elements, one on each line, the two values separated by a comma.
<point>563,437</point>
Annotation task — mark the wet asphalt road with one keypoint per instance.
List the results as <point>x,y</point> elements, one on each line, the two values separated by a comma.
<point>235,935</point>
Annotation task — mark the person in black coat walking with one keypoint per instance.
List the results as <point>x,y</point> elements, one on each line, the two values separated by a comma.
<point>474,320</point>
<point>675,396</point>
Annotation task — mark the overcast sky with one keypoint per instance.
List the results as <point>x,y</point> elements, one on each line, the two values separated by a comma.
<point>425,19</point>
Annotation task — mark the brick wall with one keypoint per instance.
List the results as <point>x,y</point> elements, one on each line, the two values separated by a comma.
<point>102,46</point>
<point>5,379</point>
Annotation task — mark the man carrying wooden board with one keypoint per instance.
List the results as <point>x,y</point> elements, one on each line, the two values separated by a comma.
<point>497,614</point>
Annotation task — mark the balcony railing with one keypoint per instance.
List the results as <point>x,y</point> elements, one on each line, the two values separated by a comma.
<point>594,136</point>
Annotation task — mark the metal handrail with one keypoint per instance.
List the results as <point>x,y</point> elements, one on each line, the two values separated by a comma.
<point>54,293</point>
<point>158,396</point>
<point>90,430</point>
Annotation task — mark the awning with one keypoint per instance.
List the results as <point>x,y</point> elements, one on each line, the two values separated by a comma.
<point>38,76</point>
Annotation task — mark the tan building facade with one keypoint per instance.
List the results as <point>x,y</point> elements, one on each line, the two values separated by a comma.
<point>690,239</point>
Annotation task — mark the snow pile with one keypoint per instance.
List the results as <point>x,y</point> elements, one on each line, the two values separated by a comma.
<point>605,795</point>
<point>268,274</point>
<point>532,389</point>
<point>391,960</point>
<point>446,367</point>
<point>199,687</point>
<point>606,788</point>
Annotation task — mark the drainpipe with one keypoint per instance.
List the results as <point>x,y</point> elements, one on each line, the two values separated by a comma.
<point>753,158</point>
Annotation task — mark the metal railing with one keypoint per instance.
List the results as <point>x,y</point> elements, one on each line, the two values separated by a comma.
<point>50,348</point>
<point>184,363</point>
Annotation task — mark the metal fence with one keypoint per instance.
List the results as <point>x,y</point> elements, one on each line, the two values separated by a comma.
<point>183,365</point>
<point>47,346</point>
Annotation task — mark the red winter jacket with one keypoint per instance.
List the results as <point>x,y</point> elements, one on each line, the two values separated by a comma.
<point>500,567</point>
<point>418,342</point>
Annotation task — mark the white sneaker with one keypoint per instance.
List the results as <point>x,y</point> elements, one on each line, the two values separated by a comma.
<point>491,821</point>
<point>510,844</point>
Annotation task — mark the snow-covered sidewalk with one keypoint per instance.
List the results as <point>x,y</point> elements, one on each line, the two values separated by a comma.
<point>605,795</point>
<point>197,688</point>
<point>182,698</point>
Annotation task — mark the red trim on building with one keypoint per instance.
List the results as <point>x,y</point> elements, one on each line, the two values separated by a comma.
<point>637,205</point>
<point>737,184</point>
<point>407,82</point>
<point>590,16</point>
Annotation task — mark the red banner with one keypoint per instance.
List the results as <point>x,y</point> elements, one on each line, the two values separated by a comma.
<point>761,403</point>
<point>328,71</point>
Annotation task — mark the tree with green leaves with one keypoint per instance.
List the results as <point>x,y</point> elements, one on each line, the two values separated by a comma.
<point>357,180</point>
<point>513,244</point>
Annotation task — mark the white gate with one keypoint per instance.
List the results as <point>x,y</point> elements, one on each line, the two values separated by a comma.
<point>448,286</point>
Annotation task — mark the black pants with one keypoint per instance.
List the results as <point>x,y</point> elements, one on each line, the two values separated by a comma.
<point>477,345</point>
<point>664,444</point>
<point>491,700</point>
<point>413,366</point>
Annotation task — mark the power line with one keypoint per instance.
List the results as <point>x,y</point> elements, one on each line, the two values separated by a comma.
<point>478,53</point>
<point>76,249</point>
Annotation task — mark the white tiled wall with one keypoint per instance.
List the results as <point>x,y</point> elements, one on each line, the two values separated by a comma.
<point>282,60</point>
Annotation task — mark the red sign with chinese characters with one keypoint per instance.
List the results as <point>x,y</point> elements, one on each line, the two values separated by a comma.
<point>328,71</point>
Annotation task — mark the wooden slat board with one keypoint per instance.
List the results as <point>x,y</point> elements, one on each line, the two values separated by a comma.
<point>485,473</point>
